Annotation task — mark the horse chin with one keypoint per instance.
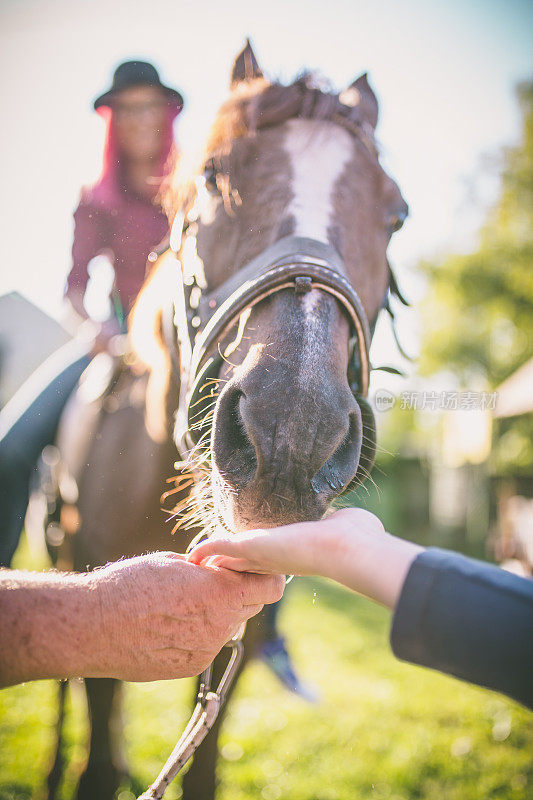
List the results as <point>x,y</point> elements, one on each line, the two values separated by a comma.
<point>245,510</point>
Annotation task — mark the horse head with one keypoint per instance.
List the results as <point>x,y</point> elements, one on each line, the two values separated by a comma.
<point>292,167</point>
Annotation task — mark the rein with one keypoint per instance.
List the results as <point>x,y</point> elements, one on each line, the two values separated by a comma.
<point>203,718</point>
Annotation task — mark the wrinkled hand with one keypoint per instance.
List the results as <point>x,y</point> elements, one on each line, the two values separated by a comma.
<point>350,546</point>
<point>163,617</point>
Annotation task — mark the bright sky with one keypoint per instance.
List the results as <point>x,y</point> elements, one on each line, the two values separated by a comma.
<point>444,72</point>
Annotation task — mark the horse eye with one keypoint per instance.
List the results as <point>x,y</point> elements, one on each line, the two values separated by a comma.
<point>396,222</point>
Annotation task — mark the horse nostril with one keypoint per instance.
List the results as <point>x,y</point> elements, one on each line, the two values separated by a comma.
<point>233,452</point>
<point>340,468</point>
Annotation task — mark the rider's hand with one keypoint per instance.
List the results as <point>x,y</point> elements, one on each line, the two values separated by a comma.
<point>165,618</point>
<point>104,333</point>
<point>349,546</point>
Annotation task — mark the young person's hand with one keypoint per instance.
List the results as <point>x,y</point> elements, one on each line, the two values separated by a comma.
<point>350,546</point>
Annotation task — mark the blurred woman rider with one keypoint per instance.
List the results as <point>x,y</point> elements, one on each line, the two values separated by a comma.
<point>119,215</point>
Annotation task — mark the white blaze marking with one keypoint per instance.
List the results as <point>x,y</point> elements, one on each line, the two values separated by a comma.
<point>310,301</point>
<point>314,336</point>
<point>318,153</point>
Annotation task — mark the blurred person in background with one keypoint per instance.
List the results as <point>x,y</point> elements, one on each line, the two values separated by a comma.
<point>120,216</point>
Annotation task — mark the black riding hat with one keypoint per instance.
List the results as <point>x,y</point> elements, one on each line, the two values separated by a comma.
<point>137,73</point>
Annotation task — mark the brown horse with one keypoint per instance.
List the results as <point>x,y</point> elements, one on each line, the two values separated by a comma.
<point>292,203</point>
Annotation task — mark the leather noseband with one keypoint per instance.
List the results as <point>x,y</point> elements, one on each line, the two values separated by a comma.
<point>294,262</point>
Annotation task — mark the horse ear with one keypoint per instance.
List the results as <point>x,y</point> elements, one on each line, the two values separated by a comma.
<point>245,66</point>
<point>360,95</point>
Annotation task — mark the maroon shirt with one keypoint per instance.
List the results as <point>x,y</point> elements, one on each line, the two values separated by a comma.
<point>127,232</point>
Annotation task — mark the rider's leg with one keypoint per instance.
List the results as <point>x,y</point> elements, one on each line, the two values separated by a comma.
<point>270,619</point>
<point>27,424</point>
<point>273,652</point>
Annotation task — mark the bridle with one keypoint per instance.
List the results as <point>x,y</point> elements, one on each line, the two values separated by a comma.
<point>208,704</point>
<point>201,328</point>
<point>292,263</point>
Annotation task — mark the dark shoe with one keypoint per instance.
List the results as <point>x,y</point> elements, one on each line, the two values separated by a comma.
<point>274,654</point>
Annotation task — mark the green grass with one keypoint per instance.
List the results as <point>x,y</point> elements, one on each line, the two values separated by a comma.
<point>384,729</point>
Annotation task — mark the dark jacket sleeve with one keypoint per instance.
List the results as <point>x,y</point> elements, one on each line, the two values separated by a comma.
<point>468,619</point>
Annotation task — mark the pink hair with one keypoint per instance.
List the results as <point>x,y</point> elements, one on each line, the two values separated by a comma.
<point>107,190</point>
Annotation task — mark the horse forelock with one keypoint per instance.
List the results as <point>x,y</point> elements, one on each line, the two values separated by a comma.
<point>257,105</point>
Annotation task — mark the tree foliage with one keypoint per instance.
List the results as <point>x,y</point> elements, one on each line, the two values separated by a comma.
<point>478,313</point>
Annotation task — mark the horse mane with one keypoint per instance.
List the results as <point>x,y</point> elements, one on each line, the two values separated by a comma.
<point>145,325</point>
<point>258,104</point>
